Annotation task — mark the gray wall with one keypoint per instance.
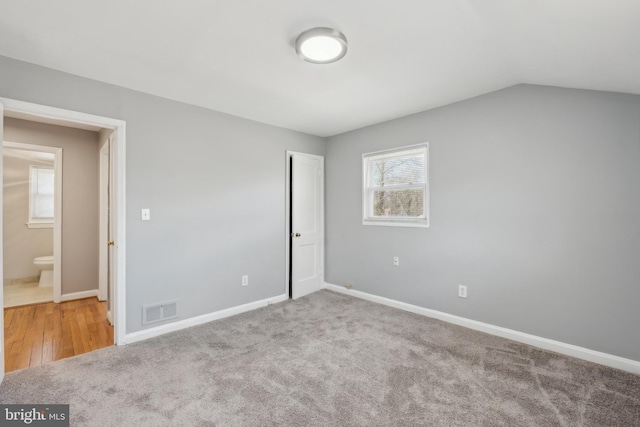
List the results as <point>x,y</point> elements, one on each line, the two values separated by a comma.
<point>534,206</point>
<point>21,244</point>
<point>214,184</point>
<point>80,175</point>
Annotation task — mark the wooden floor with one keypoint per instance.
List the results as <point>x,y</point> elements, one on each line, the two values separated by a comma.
<point>37,334</point>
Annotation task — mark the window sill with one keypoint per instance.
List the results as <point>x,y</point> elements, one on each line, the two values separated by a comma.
<point>39,225</point>
<point>383,223</point>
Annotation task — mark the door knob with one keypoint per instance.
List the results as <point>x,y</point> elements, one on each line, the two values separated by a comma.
<point>297,234</point>
<point>110,243</point>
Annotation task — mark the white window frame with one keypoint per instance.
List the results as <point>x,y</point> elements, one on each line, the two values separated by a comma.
<point>367,192</point>
<point>35,222</point>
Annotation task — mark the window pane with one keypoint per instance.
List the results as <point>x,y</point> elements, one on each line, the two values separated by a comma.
<point>395,187</point>
<point>45,181</point>
<point>397,171</point>
<point>43,193</point>
<point>398,203</point>
<point>43,207</point>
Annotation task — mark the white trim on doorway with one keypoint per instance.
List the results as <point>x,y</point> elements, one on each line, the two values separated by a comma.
<point>47,114</point>
<point>57,209</point>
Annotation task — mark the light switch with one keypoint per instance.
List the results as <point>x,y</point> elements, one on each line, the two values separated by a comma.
<point>145,214</point>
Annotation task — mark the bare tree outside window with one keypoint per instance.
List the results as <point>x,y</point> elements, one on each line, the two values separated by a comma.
<point>395,185</point>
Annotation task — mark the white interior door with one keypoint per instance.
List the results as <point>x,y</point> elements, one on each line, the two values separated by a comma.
<point>103,275</point>
<point>106,277</point>
<point>307,224</point>
<point>1,255</point>
<point>110,230</point>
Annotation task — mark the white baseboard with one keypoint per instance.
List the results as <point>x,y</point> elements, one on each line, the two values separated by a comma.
<point>606,359</point>
<point>198,320</point>
<point>79,295</point>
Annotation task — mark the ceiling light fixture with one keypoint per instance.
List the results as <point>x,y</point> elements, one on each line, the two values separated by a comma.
<point>321,45</point>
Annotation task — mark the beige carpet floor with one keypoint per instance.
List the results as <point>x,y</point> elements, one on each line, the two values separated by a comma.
<point>330,360</point>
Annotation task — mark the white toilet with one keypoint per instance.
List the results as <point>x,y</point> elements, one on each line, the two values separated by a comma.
<point>45,264</point>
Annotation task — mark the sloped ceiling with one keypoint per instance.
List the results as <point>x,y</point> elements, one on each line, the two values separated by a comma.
<point>404,56</point>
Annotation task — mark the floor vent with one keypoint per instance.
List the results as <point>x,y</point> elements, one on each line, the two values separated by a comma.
<point>158,312</point>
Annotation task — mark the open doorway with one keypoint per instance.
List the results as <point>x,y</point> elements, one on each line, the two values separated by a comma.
<point>32,206</point>
<point>37,333</point>
<point>75,301</point>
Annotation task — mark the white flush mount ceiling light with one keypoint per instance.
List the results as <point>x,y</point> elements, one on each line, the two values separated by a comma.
<point>321,45</point>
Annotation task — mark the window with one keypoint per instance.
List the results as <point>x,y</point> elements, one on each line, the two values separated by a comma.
<point>396,191</point>
<point>41,180</point>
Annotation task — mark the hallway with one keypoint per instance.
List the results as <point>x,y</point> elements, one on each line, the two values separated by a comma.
<point>38,334</point>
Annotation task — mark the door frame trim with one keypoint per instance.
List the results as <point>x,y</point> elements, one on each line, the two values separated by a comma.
<point>71,118</point>
<point>287,221</point>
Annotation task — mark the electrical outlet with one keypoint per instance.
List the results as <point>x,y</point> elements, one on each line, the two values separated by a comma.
<point>462,291</point>
<point>245,280</point>
<point>396,261</point>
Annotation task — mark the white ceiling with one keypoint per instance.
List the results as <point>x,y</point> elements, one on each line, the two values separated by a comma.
<point>404,56</point>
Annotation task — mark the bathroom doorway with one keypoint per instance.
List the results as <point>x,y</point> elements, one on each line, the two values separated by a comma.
<point>32,201</point>
<point>75,322</point>
<point>76,303</point>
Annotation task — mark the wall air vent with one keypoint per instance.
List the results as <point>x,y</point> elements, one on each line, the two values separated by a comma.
<point>153,313</point>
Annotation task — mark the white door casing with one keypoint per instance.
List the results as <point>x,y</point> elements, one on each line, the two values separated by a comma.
<point>307,224</point>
